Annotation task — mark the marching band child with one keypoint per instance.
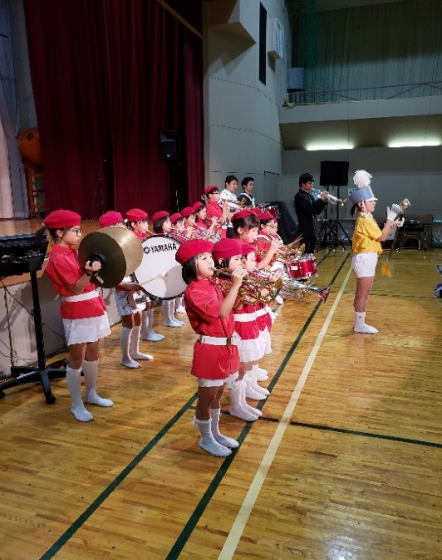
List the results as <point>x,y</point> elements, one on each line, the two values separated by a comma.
<point>177,222</point>
<point>189,216</point>
<point>215,358</point>
<point>227,253</point>
<point>83,310</point>
<point>201,222</point>
<point>139,224</point>
<point>366,244</point>
<point>130,317</point>
<point>162,225</point>
<point>246,228</point>
<point>214,210</point>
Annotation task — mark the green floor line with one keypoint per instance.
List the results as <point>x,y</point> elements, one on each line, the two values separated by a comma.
<point>216,481</point>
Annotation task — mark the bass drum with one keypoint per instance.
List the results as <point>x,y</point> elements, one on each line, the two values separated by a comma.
<point>159,258</point>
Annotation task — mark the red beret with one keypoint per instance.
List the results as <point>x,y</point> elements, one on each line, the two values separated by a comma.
<point>175,217</point>
<point>136,215</point>
<point>255,211</point>
<point>226,248</point>
<point>110,218</point>
<point>159,215</point>
<point>210,189</point>
<point>266,216</point>
<point>246,248</point>
<point>197,206</point>
<point>61,219</point>
<point>187,211</point>
<point>192,248</point>
<point>242,214</point>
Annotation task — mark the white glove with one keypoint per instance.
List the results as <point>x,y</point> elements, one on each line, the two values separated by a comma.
<point>399,223</point>
<point>393,212</point>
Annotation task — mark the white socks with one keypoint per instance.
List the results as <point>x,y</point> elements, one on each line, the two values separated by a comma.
<point>77,406</point>
<point>238,403</point>
<point>134,347</point>
<point>126,360</point>
<point>169,314</point>
<point>262,375</point>
<point>147,332</point>
<point>179,305</point>
<point>73,378</point>
<point>90,372</point>
<point>360,326</point>
<point>220,438</point>
<point>208,442</point>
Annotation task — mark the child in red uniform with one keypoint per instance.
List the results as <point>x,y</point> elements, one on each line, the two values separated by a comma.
<point>201,222</point>
<point>162,226</point>
<point>215,358</point>
<point>177,222</point>
<point>83,309</point>
<point>227,253</point>
<point>246,227</point>
<point>214,210</point>
<point>130,317</point>
<point>138,223</point>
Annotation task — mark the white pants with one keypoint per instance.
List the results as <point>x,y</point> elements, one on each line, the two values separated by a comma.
<point>213,382</point>
<point>364,264</point>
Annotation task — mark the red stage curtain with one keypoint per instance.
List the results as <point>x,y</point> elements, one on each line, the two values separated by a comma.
<point>108,78</point>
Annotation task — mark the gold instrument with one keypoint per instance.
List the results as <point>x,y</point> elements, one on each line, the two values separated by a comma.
<point>117,249</point>
<point>290,287</point>
<point>205,234</point>
<point>251,289</point>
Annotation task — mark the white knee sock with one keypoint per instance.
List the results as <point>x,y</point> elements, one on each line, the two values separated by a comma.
<point>360,326</point>
<point>251,392</point>
<point>208,442</point>
<point>256,387</point>
<point>238,405</point>
<point>134,347</point>
<point>90,372</point>
<point>77,406</point>
<point>168,312</point>
<point>220,438</point>
<point>126,360</point>
<point>147,332</point>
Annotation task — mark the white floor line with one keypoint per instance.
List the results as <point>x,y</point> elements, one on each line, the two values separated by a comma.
<point>238,527</point>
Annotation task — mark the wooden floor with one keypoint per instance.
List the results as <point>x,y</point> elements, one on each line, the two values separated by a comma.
<point>356,473</point>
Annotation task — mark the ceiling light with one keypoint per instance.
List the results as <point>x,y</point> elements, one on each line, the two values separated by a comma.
<point>413,143</point>
<point>325,147</point>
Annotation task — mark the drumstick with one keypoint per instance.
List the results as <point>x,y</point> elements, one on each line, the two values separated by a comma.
<point>161,275</point>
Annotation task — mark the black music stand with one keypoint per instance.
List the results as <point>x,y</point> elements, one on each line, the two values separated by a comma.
<point>330,228</point>
<point>31,261</point>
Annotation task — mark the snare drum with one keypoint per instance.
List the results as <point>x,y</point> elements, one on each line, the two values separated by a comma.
<point>305,267</point>
<point>159,257</point>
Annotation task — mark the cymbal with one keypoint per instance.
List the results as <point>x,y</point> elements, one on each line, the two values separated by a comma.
<point>119,250</point>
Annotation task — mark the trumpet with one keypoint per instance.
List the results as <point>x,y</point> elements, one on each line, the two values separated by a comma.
<point>332,199</point>
<point>290,287</point>
<point>205,234</point>
<point>252,288</point>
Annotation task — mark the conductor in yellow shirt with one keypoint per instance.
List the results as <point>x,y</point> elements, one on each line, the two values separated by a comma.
<point>366,244</point>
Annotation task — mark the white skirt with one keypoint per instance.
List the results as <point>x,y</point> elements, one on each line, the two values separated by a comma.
<point>217,382</point>
<point>81,331</point>
<point>250,350</point>
<point>266,341</point>
<point>364,264</point>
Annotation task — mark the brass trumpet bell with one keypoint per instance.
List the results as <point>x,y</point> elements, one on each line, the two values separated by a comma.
<point>119,251</point>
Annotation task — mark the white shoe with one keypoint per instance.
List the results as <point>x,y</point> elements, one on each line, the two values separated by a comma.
<point>174,324</point>
<point>365,329</point>
<point>153,337</point>
<point>129,363</point>
<point>181,309</point>
<point>262,375</point>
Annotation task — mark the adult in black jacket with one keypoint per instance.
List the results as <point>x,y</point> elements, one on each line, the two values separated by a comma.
<point>306,207</point>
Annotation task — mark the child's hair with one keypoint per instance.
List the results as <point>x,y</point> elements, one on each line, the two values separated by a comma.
<point>53,230</point>
<point>353,209</point>
<point>248,222</point>
<point>230,178</point>
<point>265,222</point>
<point>223,264</point>
<point>189,272</point>
<point>246,180</point>
<point>158,224</point>
<point>129,223</point>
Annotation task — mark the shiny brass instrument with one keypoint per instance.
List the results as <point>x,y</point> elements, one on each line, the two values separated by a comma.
<point>294,288</point>
<point>206,234</point>
<point>332,199</point>
<point>252,290</point>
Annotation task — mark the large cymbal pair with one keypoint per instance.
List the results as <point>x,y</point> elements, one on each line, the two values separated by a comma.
<point>118,249</point>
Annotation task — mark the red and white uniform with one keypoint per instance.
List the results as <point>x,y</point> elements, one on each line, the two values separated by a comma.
<point>264,321</point>
<point>250,346</point>
<point>141,236</point>
<point>123,306</point>
<point>214,209</point>
<point>203,300</point>
<point>84,315</point>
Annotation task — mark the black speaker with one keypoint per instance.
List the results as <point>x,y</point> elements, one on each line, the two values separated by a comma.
<point>334,173</point>
<point>170,144</point>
